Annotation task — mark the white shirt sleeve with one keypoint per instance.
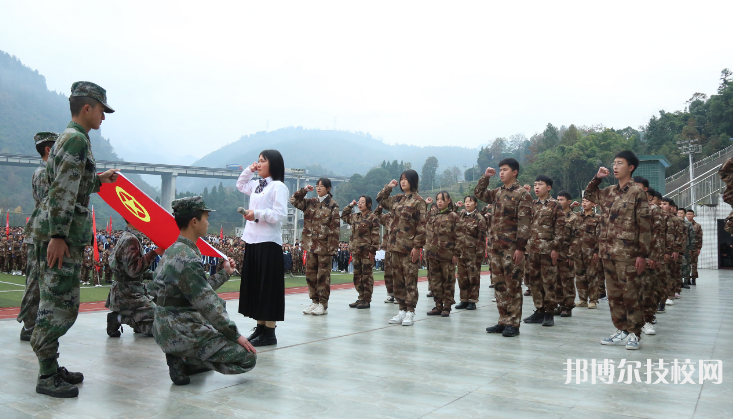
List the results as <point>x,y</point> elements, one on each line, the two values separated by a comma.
<point>243,183</point>
<point>279,211</point>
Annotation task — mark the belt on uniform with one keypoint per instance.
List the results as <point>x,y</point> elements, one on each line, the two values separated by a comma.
<point>175,302</point>
<point>83,201</point>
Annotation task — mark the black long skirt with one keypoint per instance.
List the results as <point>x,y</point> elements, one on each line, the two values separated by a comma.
<point>262,291</point>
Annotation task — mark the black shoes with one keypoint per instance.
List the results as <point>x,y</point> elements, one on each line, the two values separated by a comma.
<point>510,332</point>
<point>549,320</point>
<point>495,329</point>
<point>177,370</point>
<point>566,313</point>
<point>256,332</point>
<point>430,293</point>
<point>528,292</point>
<point>435,311</point>
<point>266,338</point>
<point>355,304</point>
<point>536,317</point>
<point>113,326</point>
<point>461,306</point>
<point>445,313</point>
<point>491,286</point>
<point>362,305</point>
<point>686,283</point>
<point>25,335</point>
<point>693,281</point>
<point>70,377</point>
<point>471,306</point>
<point>55,386</point>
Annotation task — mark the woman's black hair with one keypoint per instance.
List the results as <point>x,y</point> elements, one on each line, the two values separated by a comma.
<point>412,178</point>
<point>326,183</point>
<point>367,200</point>
<point>446,196</point>
<point>277,165</point>
<point>471,197</point>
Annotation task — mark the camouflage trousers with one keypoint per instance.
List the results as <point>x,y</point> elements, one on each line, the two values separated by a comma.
<point>2,264</point>
<point>32,293</point>
<point>388,281</point>
<point>96,275</point>
<point>58,307</point>
<point>85,271</point>
<point>565,287</point>
<point>469,278</point>
<point>363,277</point>
<point>542,281</point>
<point>507,279</point>
<point>232,358</point>
<point>601,279</point>
<point>108,273</point>
<point>318,277</point>
<point>653,288</point>
<point>623,285</point>
<point>693,266</point>
<point>443,280</point>
<point>140,319</point>
<point>676,276</point>
<point>586,281</point>
<point>404,276</point>
<point>685,265</point>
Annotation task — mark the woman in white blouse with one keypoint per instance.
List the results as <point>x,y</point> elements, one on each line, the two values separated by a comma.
<point>262,291</point>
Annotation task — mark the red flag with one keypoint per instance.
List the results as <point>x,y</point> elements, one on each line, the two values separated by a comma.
<point>26,219</point>
<point>147,215</point>
<point>221,234</point>
<point>110,224</point>
<point>96,246</point>
<point>304,252</point>
<point>7,224</point>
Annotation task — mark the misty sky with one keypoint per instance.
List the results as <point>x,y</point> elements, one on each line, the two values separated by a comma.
<point>187,77</point>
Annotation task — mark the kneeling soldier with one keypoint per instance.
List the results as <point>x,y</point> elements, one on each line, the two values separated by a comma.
<point>128,300</point>
<point>191,322</point>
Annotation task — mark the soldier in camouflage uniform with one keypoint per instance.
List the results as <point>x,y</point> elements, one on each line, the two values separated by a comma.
<point>87,265</point>
<point>128,299</point>
<point>565,289</point>
<point>61,229</point>
<point>191,322</point>
<point>681,237</point>
<point>320,239</point>
<point>543,248</point>
<point>39,185</point>
<point>624,245</point>
<point>297,259</point>
<point>726,175</point>
<point>98,270</point>
<point>105,263</point>
<point>16,252</point>
<point>406,240</point>
<point>511,212</point>
<point>441,240</point>
<point>695,254</point>
<point>385,219</point>
<point>4,255</point>
<point>690,246</point>
<point>471,247</point>
<point>364,243</point>
<point>585,260</point>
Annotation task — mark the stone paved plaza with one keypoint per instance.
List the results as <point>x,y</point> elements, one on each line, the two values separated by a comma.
<point>352,364</point>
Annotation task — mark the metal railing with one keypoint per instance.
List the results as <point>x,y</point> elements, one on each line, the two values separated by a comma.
<point>707,187</point>
<point>699,163</point>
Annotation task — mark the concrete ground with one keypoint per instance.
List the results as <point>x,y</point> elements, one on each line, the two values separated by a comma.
<point>351,363</point>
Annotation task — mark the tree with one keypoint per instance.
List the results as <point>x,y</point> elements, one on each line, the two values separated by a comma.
<point>571,136</point>
<point>428,173</point>
<point>471,174</point>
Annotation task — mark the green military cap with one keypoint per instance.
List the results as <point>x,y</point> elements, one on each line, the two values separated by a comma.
<point>43,137</point>
<point>188,205</point>
<point>89,89</point>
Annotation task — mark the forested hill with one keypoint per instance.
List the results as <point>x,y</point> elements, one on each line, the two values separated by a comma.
<point>27,107</point>
<point>339,152</point>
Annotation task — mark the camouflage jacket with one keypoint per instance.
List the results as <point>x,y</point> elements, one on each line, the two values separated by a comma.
<point>440,233</point>
<point>129,269</point>
<point>548,227</point>
<point>698,235</point>
<point>16,248</point>
<point>72,177</point>
<point>677,234</point>
<point>511,215</point>
<point>364,231</point>
<point>321,224</point>
<point>409,215</point>
<point>570,232</point>
<point>39,184</point>
<point>625,224</point>
<point>585,239</point>
<point>690,244</point>
<point>189,315</point>
<point>88,261</point>
<point>385,219</point>
<point>659,233</point>
<point>471,235</point>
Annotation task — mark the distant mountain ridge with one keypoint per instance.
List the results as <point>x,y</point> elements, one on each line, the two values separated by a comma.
<point>341,152</point>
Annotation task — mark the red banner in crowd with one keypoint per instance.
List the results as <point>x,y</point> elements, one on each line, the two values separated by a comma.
<point>109,228</point>
<point>147,215</point>
<point>96,245</point>
<point>221,234</point>
<point>7,224</point>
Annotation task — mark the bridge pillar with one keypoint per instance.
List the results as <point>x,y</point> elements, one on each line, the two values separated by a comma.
<point>168,190</point>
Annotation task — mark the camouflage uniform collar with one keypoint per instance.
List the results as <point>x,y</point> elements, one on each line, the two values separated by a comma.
<point>78,127</point>
<point>135,232</point>
<point>514,186</point>
<point>626,187</point>
<point>545,202</point>
<point>188,243</point>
